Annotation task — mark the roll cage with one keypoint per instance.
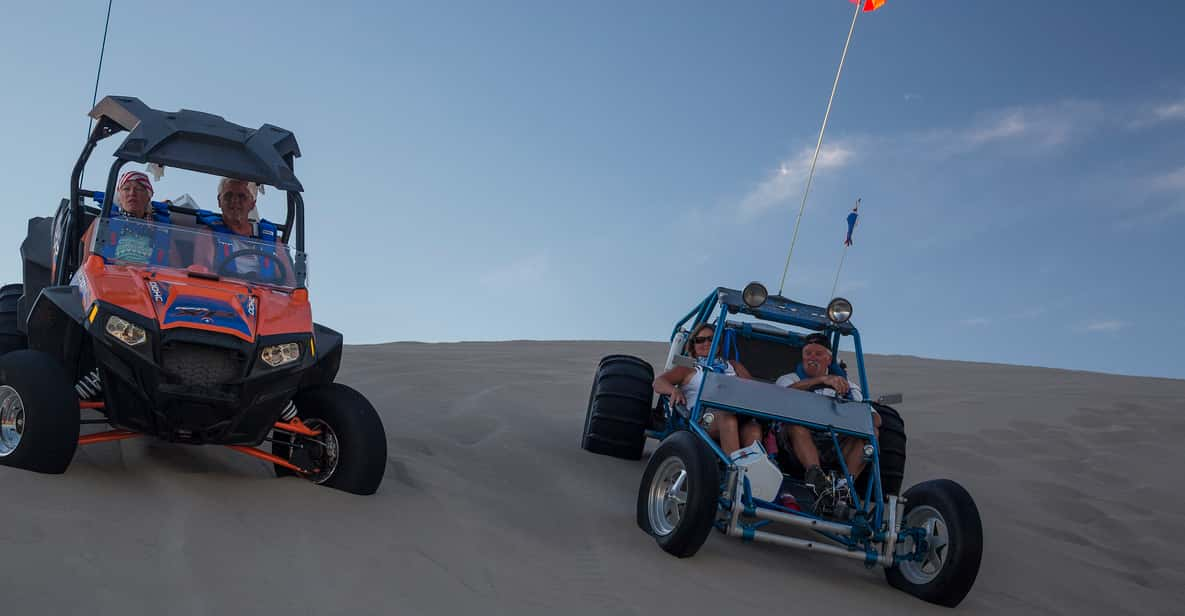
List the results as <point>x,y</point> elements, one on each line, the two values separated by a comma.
<point>776,309</point>
<point>766,401</point>
<point>189,140</point>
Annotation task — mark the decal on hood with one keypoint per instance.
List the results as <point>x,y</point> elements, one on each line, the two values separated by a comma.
<point>205,311</point>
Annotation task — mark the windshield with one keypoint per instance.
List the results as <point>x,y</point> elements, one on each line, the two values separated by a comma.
<point>198,250</point>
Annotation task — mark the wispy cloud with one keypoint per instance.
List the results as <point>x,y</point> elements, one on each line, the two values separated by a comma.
<point>1010,125</point>
<point>976,321</point>
<point>1150,114</point>
<point>519,273</point>
<point>1170,111</point>
<point>787,182</point>
<point>1112,325</point>
<point>1033,127</point>
<point>1161,198</point>
<point>1174,180</point>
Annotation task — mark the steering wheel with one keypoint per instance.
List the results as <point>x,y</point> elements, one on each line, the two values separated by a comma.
<point>280,274</point>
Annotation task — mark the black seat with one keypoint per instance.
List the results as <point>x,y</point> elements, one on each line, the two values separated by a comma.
<point>766,358</point>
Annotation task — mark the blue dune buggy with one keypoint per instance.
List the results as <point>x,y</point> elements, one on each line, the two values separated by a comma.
<point>929,539</point>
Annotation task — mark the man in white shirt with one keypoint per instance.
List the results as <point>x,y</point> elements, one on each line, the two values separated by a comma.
<point>816,377</point>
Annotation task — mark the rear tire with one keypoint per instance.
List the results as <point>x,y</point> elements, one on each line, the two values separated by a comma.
<point>891,442</point>
<point>11,339</point>
<point>680,528</point>
<point>354,457</point>
<point>38,413</point>
<point>619,408</point>
<point>11,290</point>
<point>949,513</point>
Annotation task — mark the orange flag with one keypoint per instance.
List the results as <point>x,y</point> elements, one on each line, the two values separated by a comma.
<point>870,5</point>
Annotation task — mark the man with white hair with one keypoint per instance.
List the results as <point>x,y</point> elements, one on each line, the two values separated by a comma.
<point>814,374</point>
<point>236,200</point>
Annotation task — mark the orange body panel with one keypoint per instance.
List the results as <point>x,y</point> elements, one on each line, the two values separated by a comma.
<point>262,311</point>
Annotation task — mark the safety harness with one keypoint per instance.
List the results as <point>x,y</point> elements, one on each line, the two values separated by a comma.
<point>264,230</point>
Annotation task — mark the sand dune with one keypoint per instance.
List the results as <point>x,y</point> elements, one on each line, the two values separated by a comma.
<point>489,506</point>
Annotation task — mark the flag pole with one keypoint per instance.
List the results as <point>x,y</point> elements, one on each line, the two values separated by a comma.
<point>98,73</point>
<point>811,174</point>
<point>844,256</point>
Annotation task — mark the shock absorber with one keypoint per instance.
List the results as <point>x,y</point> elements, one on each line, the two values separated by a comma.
<point>89,386</point>
<point>289,412</point>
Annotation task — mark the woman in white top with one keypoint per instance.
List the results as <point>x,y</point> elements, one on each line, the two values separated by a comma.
<point>682,385</point>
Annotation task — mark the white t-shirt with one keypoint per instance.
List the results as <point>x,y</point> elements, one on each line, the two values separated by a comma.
<point>786,380</point>
<point>691,388</point>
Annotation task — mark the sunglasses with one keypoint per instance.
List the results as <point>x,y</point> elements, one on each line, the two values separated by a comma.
<point>701,339</point>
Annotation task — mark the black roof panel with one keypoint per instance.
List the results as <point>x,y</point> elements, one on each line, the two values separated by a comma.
<point>202,142</point>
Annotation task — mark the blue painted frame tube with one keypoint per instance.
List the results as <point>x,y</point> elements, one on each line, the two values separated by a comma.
<point>697,411</point>
<point>680,322</point>
<point>706,308</point>
<point>698,312</point>
<point>716,337</point>
<point>860,364</point>
<point>875,484</point>
<point>702,433</point>
<point>843,465</point>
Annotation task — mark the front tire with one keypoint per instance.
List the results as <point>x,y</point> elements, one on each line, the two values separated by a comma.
<point>619,408</point>
<point>351,452</point>
<point>955,542</point>
<point>38,413</point>
<point>678,495</point>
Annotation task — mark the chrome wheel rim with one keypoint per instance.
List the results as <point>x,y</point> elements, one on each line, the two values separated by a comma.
<point>937,545</point>
<point>326,462</point>
<point>668,496</point>
<point>12,420</point>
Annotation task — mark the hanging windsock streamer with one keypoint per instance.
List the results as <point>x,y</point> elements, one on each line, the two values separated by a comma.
<point>852,223</point>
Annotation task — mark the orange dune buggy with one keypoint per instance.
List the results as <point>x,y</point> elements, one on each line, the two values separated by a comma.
<point>120,317</point>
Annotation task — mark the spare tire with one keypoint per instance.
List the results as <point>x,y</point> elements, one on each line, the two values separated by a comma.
<point>619,407</point>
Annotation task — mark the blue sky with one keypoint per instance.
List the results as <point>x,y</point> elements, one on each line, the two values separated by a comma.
<point>554,170</point>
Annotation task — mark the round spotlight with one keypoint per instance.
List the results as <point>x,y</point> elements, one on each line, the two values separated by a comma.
<point>754,294</point>
<point>839,310</point>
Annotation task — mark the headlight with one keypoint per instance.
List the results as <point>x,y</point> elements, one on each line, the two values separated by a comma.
<point>125,332</point>
<point>280,354</point>
<point>839,310</point>
<point>754,294</point>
